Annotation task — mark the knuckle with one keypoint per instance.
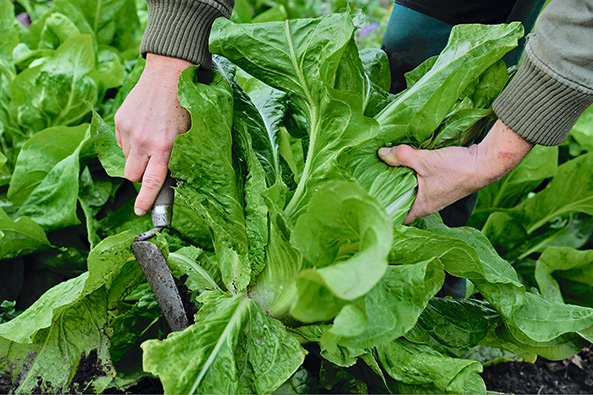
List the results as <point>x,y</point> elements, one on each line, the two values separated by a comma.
<point>401,151</point>
<point>163,147</point>
<point>141,141</point>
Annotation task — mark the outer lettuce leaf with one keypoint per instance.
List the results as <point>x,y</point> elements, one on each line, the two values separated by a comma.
<point>233,348</point>
<point>344,238</point>
<point>213,186</point>
<point>544,321</point>
<point>390,309</point>
<point>20,237</point>
<point>454,326</point>
<point>476,260</point>
<point>60,343</point>
<point>571,267</point>
<point>419,366</point>
<point>105,262</point>
<point>559,348</point>
<point>528,316</point>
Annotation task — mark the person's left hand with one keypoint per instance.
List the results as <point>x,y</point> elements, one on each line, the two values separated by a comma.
<point>448,174</point>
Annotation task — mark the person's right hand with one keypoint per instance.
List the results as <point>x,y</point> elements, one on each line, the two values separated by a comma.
<point>147,123</point>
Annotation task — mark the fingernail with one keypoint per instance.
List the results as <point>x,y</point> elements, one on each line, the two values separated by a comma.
<point>139,212</point>
<point>384,151</point>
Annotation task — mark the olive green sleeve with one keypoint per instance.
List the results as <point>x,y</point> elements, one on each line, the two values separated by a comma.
<point>554,84</point>
<point>181,28</point>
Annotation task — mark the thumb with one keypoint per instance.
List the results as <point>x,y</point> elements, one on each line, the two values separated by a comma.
<point>398,155</point>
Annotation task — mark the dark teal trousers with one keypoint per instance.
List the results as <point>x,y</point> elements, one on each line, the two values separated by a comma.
<point>419,30</point>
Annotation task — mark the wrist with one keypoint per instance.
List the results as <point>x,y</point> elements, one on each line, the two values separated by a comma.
<point>500,152</point>
<point>164,70</point>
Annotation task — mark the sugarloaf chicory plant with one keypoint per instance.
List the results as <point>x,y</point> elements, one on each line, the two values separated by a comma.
<point>295,239</point>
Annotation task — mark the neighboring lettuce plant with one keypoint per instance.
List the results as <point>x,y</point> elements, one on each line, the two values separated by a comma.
<point>290,240</point>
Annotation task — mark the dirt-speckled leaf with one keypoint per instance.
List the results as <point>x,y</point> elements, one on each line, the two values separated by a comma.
<point>71,356</point>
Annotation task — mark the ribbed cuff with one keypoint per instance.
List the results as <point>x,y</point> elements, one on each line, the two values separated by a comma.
<point>181,28</point>
<point>539,107</point>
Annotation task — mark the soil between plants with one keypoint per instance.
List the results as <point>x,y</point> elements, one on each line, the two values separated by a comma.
<point>570,376</point>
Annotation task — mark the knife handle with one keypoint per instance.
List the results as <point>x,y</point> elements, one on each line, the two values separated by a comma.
<point>162,210</point>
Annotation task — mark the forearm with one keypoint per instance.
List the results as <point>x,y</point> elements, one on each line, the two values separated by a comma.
<point>554,84</point>
<point>500,152</point>
<point>181,28</point>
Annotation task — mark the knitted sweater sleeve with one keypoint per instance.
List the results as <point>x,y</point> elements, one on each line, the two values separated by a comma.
<point>181,28</point>
<point>554,84</point>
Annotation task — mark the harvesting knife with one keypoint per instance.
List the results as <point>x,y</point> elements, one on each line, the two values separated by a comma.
<point>153,263</point>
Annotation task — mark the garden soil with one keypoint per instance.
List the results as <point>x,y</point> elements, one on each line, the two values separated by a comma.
<point>570,376</point>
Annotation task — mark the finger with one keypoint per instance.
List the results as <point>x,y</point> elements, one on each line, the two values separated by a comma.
<point>135,166</point>
<point>118,137</point>
<point>410,217</point>
<point>125,146</point>
<point>415,212</point>
<point>152,181</point>
<point>399,155</point>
